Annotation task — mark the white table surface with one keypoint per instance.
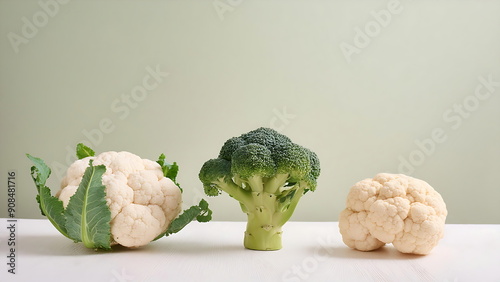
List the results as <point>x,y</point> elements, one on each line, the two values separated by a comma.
<point>312,251</point>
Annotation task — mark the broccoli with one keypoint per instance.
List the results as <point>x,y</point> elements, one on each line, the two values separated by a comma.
<point>268,174</point>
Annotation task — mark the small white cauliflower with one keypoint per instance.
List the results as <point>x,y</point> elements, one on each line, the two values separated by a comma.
<point>142,201</point>
<point>393,208</point>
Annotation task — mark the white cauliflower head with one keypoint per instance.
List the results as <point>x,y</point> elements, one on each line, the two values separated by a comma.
<point>393,208</point>
<point>142,201</point>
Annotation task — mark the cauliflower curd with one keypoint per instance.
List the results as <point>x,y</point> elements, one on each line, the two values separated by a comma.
<point>393,208</point>
<point>142,201</point>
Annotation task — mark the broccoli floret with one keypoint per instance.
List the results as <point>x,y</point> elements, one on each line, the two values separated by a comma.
<point>214,173</point>
<point>268,174</point>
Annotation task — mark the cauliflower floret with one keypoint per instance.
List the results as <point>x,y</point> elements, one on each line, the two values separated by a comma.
<point>142,201</point>
<point>393,208</point>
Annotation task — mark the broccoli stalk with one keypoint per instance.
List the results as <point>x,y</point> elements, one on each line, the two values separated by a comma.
<point>267,174</point>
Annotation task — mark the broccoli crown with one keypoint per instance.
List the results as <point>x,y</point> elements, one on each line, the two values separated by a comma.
<point>268,174</point>
<point>263,152</point>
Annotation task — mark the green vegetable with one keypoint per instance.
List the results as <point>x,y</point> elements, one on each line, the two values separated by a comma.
<point>268,174</point>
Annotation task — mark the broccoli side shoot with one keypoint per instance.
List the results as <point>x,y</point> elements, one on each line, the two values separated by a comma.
<point>268,174</point>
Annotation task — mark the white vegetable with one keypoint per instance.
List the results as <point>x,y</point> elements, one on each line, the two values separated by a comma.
<point>393,208</point>
<point>142,201</point>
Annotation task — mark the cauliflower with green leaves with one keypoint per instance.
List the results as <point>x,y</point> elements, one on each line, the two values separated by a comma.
<point>115,198</point>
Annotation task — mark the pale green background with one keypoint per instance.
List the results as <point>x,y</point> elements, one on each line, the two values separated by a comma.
<point>230,74</point>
